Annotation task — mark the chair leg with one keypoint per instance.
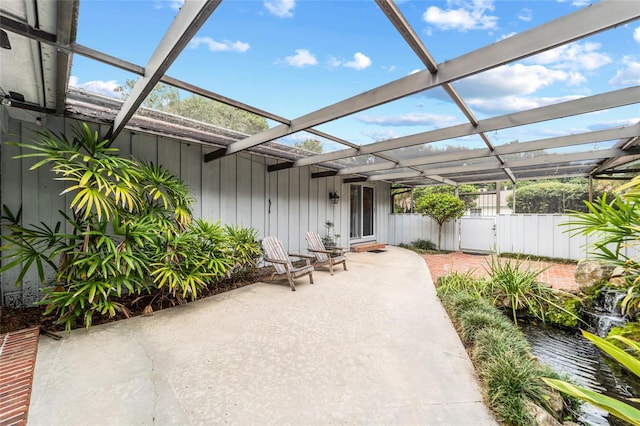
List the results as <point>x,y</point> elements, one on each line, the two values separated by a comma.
<point>311,277</point>
<point>345,265</point>
<point>290,278</point>
<point>330,267</point>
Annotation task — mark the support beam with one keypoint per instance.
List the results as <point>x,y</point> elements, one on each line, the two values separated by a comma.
<point>354,180</point>
<point>280,166</point>
<point>512,148</point>
<point>67,20</point>
<point>186,24</point>
<point>441,179</point>
<point>528,162</point>
<point>584,22</point>
<point>406,31</point>
<point>26,30</point>
<point>214,155</point>
<point>328,173</point>
<point>614,99</point>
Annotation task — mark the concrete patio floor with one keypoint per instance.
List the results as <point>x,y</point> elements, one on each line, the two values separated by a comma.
<point>371,345</point>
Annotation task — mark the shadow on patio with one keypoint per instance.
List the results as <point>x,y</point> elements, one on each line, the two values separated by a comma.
<point>368,345</point>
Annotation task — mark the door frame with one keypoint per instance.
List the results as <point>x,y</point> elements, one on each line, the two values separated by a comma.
<point>362,238</point>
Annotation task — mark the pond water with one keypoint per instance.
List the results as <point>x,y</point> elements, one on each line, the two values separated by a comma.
<point>570,354</point>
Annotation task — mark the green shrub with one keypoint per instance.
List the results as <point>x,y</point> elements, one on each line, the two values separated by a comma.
<point>480,318</point>
<point>503,358</point>
<point>519,290</point>
<point>243,248</point>
<point>187,262</point>
<point>423,244</point>
<point>496,342</point>
<point>510,381</point>
<point>459,302</point>
<point>630,330</point>
<point>466,283</point>
<point>568,316</point>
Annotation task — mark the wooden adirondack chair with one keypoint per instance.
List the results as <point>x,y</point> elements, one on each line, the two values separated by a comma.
<point>275,253</point>
<point>325,255</point>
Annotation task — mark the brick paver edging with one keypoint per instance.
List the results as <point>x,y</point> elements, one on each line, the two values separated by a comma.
<point>18,351</point>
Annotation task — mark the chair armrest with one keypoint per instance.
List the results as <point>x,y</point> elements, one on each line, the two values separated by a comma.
<point>336,249</point>
<point>312,250</point>
<point>306,258</point>
<point>301,256</point>
<point>284,262</point>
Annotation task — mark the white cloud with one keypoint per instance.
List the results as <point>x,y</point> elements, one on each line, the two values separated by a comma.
<point>301,59</point>
<point>636,34</point>
<point>333,62</point>
<point>580,3</point>
<point>607,124</point>
<point>280,8</point>
<point>515,79</point>
<point>380,135</point>
<point>627,76</point>
<point>360,62</point>
<point>410,119</point>
<point>526,15</point>
<point>508,104</point>
<point>217,46</point>
<point>574,56</point>
<point>106,88</point>
<point>471,15</point>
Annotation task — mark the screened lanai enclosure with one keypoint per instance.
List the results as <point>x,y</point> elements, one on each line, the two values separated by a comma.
<point>283,115</point>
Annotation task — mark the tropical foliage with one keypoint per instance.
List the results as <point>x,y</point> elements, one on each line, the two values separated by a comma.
<point>631,361</point>
<point>516,287</point>
<point>129,231</point>
<point>614,225</point>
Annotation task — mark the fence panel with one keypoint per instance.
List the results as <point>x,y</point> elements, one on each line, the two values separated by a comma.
<point>528,234</point>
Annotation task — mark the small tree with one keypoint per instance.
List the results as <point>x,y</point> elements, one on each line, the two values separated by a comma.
<point>312,145</point>
<point>465,193</point>
<point>442,208</point>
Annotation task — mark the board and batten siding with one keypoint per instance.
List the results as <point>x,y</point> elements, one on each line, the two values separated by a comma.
<point>236,189</point>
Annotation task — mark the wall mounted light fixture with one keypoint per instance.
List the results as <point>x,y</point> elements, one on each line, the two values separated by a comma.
<point>6,100</point>
<point>334,197</point>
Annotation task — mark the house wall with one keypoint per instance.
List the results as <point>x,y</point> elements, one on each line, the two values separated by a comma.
<point>236,189</point>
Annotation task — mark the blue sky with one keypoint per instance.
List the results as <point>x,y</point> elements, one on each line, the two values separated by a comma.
<point>292,57</point>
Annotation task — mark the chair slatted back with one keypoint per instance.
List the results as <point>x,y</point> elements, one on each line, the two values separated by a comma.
<point>315,242</point>
<point>274,249</point>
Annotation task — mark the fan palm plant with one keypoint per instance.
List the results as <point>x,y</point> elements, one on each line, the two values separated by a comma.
<point>615,226</point>
<point>129,231</point>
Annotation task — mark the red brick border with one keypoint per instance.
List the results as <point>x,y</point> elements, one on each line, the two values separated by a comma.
<point>18,351</point>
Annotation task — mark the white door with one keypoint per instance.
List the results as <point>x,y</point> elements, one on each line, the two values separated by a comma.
<point>478,234</point>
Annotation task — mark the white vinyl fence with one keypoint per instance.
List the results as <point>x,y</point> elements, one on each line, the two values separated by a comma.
<point>527,234</point>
